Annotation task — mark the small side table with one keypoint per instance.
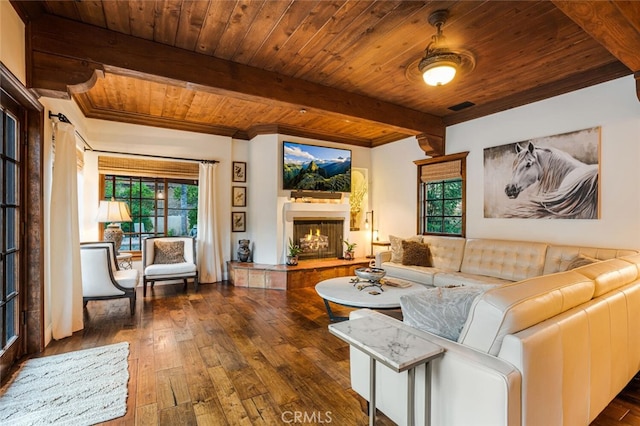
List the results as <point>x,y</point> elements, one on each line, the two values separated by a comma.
<point>396,348</point>
<point>124,260</point>
<point>381,243</point>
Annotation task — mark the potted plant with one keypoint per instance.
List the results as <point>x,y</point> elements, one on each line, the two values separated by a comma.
<point>349,250</point>
<point>293,251</point>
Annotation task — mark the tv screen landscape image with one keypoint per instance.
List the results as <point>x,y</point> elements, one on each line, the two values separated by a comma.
<point>316,168</point>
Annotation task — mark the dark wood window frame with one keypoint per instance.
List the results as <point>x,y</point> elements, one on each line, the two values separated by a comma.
<point>421,189</point>
<point>160,184</point>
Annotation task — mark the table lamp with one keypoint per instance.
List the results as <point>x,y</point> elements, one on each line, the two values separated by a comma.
<point>113,212</point>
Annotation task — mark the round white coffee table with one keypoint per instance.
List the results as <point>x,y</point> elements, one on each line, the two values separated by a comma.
<point>344,291</point>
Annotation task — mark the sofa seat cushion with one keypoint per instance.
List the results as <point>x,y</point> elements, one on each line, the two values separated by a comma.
<point>609,274</point>
<point>445,278</point>
<point>418,274</point>
<point>169,269</point>
<point>127,278</point>
<point>513,307</point>
<point>441,311</point>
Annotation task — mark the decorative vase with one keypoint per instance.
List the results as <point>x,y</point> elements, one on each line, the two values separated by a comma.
<point>348,255</point>
<point>292,260</point>
<point>244,252</point>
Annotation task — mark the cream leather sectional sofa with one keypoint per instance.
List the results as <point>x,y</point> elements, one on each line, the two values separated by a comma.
<point>545,347</point>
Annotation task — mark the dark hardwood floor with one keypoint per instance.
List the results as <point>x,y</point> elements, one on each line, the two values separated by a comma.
<point>242,356</point>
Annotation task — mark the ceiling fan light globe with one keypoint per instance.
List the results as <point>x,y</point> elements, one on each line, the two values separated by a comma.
<point>439,74</point>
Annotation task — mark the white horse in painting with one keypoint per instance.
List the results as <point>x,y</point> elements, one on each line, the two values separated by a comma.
<point>567,187</point>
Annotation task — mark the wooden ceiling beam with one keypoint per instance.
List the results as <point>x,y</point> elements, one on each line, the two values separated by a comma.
<point>614,24</point>
<point>89,48</point>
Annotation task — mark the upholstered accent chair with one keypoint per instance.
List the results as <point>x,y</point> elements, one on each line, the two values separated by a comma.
<point>102,278</point>
<point>169,259</point>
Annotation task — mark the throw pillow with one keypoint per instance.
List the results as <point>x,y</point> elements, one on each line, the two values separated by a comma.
<point>580,260</point>
<point>168,252</point>
<point>396,246</point>
<point>414,253</point>
<point>441,311</point>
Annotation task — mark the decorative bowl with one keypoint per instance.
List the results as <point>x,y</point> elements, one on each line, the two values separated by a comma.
<point>371,274</point>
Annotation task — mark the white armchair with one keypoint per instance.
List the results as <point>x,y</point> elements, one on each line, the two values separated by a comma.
<point>102,278</point>
<point>169,259</point>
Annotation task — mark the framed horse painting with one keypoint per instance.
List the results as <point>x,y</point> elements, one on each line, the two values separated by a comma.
<point>552,177</point>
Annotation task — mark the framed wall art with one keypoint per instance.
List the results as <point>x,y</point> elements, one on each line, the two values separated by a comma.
<point>238,196</point>
<point>239,171</point>
<point>551,177</point>
<point>238,222</point>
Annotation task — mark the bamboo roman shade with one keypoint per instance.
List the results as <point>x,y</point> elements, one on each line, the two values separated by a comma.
<point>441,171</point>
<point>122,166</point>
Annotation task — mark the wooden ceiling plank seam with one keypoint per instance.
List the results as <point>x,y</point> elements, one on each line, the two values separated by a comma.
<point>117,16</point>
<point>631,11</point>
<point>262,26</point>
<point>307,30</point>
<point>190,24</point>
<point>358,29</point>
<point>326,36</point>
<point>370,62</point>
<point>166,21</point>
<point>605,23</point>
<point>175,64</point>
<point>63,8</point>
<point>92,12</point>
<point>374,53</point>
<point>282,31</point>
<point>242,18</point>
<point>158,95</point>
<point>142,18</point>
<point>218,15</point>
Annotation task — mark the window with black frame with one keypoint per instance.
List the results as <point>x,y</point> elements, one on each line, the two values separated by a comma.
<point>158,206</point>
<point>441,195</point>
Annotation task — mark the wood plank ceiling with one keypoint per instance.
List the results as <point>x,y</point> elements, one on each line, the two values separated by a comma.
<point>337,70</point>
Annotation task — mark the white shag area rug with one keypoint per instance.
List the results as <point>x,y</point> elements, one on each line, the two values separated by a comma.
<point>77,388</point>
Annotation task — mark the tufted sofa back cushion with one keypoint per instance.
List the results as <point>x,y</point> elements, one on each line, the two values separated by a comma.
<point>559,257</point>
<point>509,260</point>
<point>445,252</point>
<point>609,274</point>
<point>514,307</point>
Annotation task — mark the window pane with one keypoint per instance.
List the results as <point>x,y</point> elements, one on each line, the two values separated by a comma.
<point>11,229</point>
<point>11,183</point>
<point>11,261</point>
<point>435,208</point>
<point>453,208</point>
<point>11,138</point>
<point>434,191</point>
<point>453,225</point>
<point>434,224</point>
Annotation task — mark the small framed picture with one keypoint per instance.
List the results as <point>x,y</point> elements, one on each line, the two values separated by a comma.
<point>239,196</point>
<point>238,221</point>
<point>239,171</point>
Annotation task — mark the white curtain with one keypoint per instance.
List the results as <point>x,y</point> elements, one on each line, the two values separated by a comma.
<point>209,257</point>
<point>64,237</point>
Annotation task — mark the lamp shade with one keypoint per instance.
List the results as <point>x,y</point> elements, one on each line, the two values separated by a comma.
<point>439,73</point>
<point>113,211</point>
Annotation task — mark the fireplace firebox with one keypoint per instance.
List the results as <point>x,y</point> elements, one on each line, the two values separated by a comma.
<point>319,238</point>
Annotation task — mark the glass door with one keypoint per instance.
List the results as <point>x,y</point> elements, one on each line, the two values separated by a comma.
<point>12,117</point>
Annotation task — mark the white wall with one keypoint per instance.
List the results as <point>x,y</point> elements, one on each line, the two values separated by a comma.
<point>393,183</point>
<point>612,105</point>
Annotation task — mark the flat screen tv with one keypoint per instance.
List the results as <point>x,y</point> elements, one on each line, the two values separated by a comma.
<point>316,168</point>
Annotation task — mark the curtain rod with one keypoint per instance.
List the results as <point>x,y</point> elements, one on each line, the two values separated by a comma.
<point>64,119</point>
